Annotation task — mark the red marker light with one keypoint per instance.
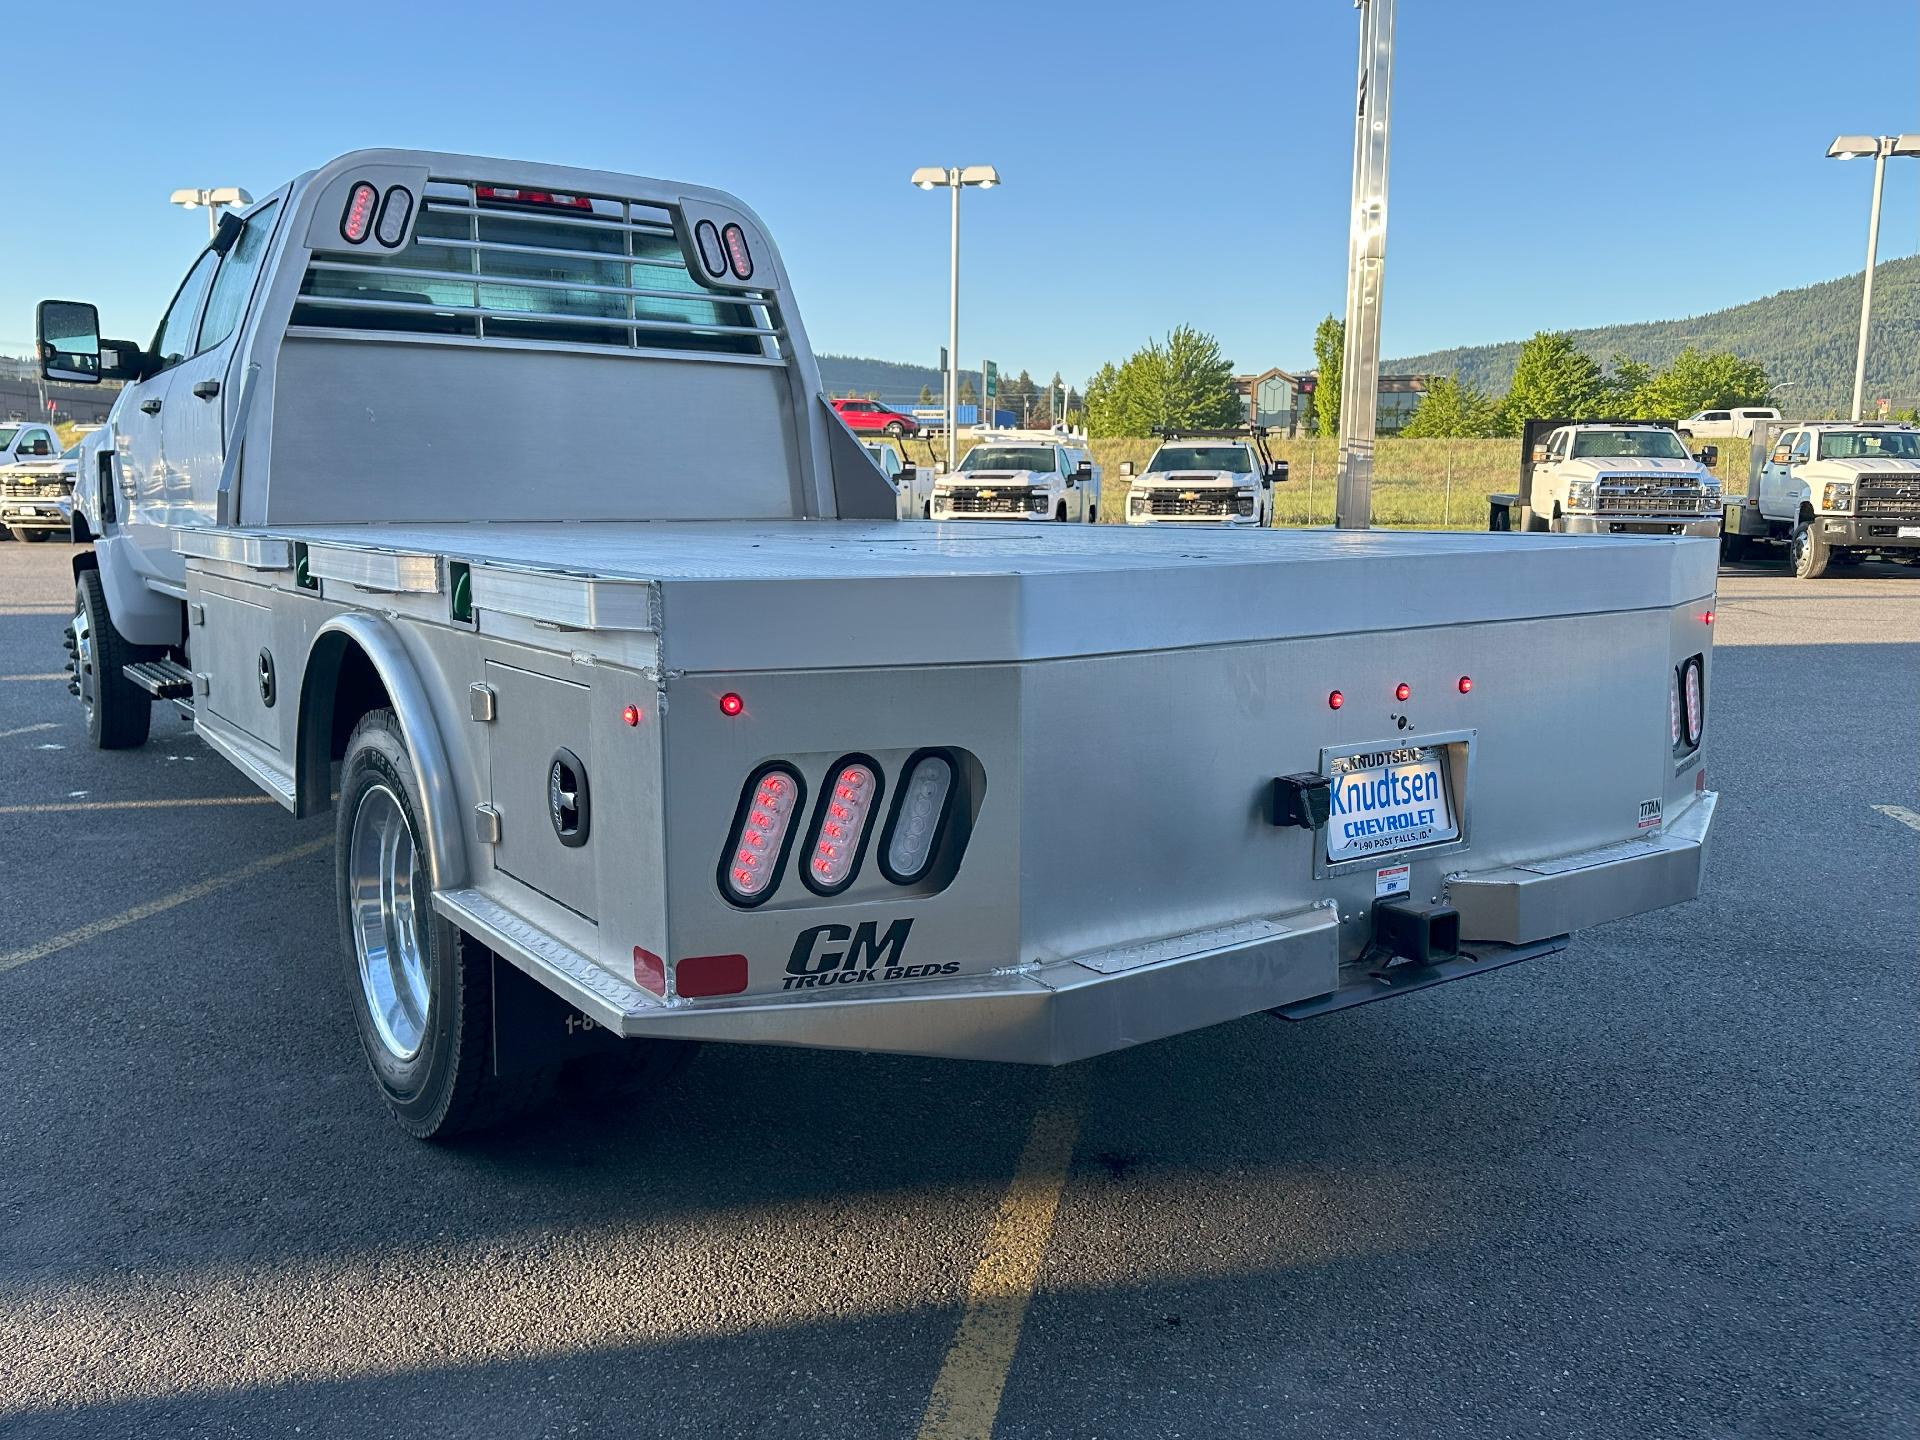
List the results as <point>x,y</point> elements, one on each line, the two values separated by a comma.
<point>1466,685</point>
<point>1707,619</point>
<point>1336,700</point>
<point>1402,691</point>
<point>731,704</point>
<point>358,219</point>
<point>631,715</point>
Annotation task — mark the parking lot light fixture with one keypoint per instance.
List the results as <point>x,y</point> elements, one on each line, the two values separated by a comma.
<point>1859,147</point>
<point>955,178</point>
<point>214,200</point>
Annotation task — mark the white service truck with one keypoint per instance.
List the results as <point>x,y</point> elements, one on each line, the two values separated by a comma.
<point>646,755</point>
<point>912,484</point>
<point>1610,477</point>
<point>1830,492</point>
<point>1206,477</point>
<point>1022,475</point>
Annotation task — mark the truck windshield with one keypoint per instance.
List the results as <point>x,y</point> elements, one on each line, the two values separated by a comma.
<point>1008,457</point>
<point>1202,457</point>
<point>1628,445</point>
<point>6,435</point>
<point>1862,445</point>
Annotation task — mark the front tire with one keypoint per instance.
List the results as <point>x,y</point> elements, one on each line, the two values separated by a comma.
<point>895,429</point>
<point>1810,553</point>
<point>119,713</point>
<point>421,991</point>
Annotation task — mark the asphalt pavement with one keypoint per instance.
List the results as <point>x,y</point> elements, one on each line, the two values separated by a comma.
<point>1662,1184</point>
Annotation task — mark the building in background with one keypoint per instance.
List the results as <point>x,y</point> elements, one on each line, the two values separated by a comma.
<point>1275,398</point>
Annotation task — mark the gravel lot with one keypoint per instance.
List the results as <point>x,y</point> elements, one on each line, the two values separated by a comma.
<point>1660,1185</point>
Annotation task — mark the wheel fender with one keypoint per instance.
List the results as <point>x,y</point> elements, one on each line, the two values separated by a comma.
<point>432,774</point>
<point>142,616</point>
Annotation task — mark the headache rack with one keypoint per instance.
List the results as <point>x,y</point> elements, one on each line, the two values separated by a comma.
<point>599,272</point>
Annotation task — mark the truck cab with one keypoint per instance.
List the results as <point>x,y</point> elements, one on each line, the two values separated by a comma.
<point>1223,477</point>
<point>1830,492</point>
<point>36,487</point>
<point>913,483</point>
<point>1022,475</point>
<point>1719,424</point>
<point>1610,477</point>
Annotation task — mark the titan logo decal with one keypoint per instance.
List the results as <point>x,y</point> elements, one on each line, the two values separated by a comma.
<point>836,955</point>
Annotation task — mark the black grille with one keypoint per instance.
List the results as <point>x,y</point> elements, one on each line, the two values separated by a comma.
<point>1192,504</point>
<point>972,500</point>
<point>1894,497</point>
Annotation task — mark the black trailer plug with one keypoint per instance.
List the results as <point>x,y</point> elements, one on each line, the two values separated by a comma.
<point>1303,800</point>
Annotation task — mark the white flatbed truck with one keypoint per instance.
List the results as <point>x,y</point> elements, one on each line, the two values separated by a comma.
<point>647,755</point>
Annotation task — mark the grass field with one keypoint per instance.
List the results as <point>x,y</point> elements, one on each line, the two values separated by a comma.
<point>1417,484</point>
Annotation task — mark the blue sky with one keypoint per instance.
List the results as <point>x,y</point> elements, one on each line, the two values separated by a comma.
<point>1554,164</point>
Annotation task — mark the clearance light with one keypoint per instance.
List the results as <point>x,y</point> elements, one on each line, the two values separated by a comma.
<point>1466,685</point>
<point>504,195</point>
<point>1336,700</point>
<point>919,815</point>
<point>1402,691</point>
<point>631,715</point>
<point>840,826</point>
<point>731,704</point>
<point>738,257</point>
<point>1707,618</point>
<point>762,834</point>
<point>358,219</point>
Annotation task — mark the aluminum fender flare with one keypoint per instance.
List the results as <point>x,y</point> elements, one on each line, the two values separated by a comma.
<point>446,846</point>
<point>143,616</point>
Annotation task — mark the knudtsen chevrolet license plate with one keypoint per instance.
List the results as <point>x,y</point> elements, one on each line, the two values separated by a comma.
<point>1387,800</point>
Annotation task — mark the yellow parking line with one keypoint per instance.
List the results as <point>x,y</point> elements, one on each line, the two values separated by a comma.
<point>966,1393</point>
<point>1909,818</point>
<point>50,675</point>
<point>14,959</point>
<point>66,805</point>
<point>28,730</point>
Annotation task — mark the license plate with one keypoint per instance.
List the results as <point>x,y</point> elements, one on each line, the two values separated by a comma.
<point>1908,532</point>
<point>1387,800</point>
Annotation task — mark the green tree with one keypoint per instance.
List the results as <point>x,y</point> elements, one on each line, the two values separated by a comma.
<point>1330,354</point>
<point>1626,379</point>
<point>1453,407</point>
<point>1182,382</point>
<point>1553,380</point>
<point>926,394</point>
<point>967,394</point>
<point>1702,380</point>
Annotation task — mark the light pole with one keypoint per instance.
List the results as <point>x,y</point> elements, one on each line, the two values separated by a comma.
<point>1855,147</point>
<point>956,178</point>
<point>1366,265</point>
<point>214,200</point>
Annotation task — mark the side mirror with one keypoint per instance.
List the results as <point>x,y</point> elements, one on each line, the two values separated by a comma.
<point>68,336</point>
<point>1779,457</point>
<point>1126,468</point>
<point>1709,456</point>
<point>1539,454</point>
<point>1279,474</point>
<point>1083,471</point>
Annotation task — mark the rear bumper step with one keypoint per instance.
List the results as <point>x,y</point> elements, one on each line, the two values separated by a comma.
<point>162,679</point>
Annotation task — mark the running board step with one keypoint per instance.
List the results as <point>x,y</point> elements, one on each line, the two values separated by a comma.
<point>162,679</point>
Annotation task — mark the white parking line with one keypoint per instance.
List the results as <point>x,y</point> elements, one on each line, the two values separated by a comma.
<point>1908,818</point>
<point>61,807</point>
<point>14,959</point>
<point>50,675</point>
<point>28,730</point>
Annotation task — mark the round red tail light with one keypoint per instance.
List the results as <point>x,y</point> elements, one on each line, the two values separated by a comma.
<point>1402,691</point>
<point>631,715</point>
<point>731,704</point>
<point>1466,684</point>
<point>1336,700</point>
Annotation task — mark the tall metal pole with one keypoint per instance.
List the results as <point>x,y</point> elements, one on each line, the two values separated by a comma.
<point>953,333</point>
<point>1866,290</point>
<point>1366,262</point>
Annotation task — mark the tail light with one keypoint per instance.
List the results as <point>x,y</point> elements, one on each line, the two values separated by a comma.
<point>739,258</point>
<point>762,834</point>
<point>840,825</point>
<point>911,843</point>
<point>1693,700</point>
<point>547,199</point>
<point>357,220</point>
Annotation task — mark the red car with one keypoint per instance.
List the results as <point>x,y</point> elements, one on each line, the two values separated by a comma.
<point>871,417</point>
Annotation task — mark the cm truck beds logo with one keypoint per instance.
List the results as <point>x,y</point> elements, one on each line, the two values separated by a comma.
<point>843,955</point>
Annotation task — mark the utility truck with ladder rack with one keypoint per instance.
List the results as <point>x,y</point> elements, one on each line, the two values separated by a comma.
<point>629,747</point>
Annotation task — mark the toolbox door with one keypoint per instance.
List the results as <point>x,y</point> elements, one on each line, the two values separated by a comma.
<point>540,778</point>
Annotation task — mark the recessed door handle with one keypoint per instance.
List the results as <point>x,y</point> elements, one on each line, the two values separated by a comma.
<point>149,407</point>
<point>207,389</point>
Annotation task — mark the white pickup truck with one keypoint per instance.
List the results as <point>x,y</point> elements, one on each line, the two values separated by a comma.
<point>912,483</point>
<point>1829,492</point>
<point>1610,477</point>
<point>666,750</point>
<point>1206,477</point>
<point>36,490</point>
<point>1022,475</point>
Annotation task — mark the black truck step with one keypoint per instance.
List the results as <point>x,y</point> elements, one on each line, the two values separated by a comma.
<point>162,679</point>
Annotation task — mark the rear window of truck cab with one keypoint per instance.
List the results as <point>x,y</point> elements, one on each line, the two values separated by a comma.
<point>1233,458</point>
<point>1008,457</point>
<point>1627,445</point>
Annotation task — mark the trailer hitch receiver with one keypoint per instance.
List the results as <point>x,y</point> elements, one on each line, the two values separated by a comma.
<point>1419,933</point>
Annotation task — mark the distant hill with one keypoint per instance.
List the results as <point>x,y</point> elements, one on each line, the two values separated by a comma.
<point>1804,337</point>
<point>880,379</point>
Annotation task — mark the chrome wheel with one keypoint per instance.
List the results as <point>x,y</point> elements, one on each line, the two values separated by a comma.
<point>384,888</point>
<point>84,685</point>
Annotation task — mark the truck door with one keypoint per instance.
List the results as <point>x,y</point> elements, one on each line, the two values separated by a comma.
<point>1776,478</point>
<point>138,432</point>
<point>206,385</point>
